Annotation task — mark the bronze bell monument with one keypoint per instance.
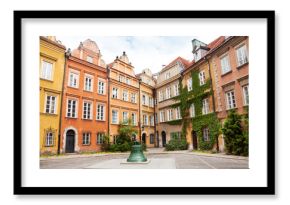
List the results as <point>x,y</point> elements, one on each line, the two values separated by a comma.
<point>136,154</point>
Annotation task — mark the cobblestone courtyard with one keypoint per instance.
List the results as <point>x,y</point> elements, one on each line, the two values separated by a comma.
<point>181,160</point>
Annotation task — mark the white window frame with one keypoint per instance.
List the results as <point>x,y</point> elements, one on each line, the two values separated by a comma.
<point>117,117</point>
<point>90,59</point>
<point>128,81</point>
<point>51,105</point>
<point>205,106</point>
<point>246,94</point>
<point>125,118</point>
<point>176,89</point>
<point>86,140</point>
<point>225,64</point>
<point>74,76</point>
<point>115,93</point>
<point>101,86</point>
<point>70,108</point>
<point>45,73</point>
<point>134,119</point>
<point>205,134</point>
<point>133,98</point>
<point>145,120</point>
<point>121,78</point>
<point>230,99</point>
<point>178,114</point>
<point>101,112</point>
<point>201,76</point>
<point>169,114</point>
<point>168,92</point>
<point>85,111</point>
<point>143,99</point>
<point>49,139</point>
<point>160,96</point>
<point>241,55</point>
<point>189,84</point>
<point>167,75</point>
<point>192,110</point>
<point>162,116</point>
<point>125,95</point>
<point>151,120</point>
<point>90,83</point>
<point>100,137</point>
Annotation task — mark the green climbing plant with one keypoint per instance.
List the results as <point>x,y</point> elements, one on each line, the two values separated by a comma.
<point>185,99</point>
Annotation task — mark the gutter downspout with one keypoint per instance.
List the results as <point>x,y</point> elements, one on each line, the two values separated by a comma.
<point>66,55</point>
<point>213,100</point>
<point>140,125</point>
<point>109,94</point>
<point>154,117</point>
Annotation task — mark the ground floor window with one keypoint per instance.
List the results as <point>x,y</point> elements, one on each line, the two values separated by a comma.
<point>100,138</point>
<point>86,138</point>
<point>205,133</point>
<point>115,139</point>
<point>151,138</point>
<point>175,135</point>
<point>49,139</point>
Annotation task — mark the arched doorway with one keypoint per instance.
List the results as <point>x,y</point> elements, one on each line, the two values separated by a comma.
<point>70,141</point>
<point>144,138</point>
<point>163,135</point>
<point>194,139</point>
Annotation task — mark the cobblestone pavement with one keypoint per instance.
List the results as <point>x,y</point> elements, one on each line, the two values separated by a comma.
<point>183,160</point>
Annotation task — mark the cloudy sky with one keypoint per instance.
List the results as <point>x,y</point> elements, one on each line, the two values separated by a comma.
<point>143,51</point>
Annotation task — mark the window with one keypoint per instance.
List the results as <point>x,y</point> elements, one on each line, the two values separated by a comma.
<point>145,120</point>
<point>167,75</point>
<point>189,84</point>
<point>115,93</point>
<point>71,108</point>
<point>125,95</point>
<point>230,97</point>
<point>125,117</point>
<point>134,119</point>
<point>133,98</point>
<point>246,94</point>
<point>100,112</point>
<point>143,99</point>
<point>201,78</point>
<point>121,78</point>
<point>89,59</point>
<point>170,114</point>
<point>225,63</point>
<point>88,83</point>
<point>101,87</point>
<point>86,138</point>
<point>115,118</point>
<point>151,119</point>
<point>162,116</point>
<point>128,81</point>
<point>151,102</point>
<point>50,106</point>
<point>151,138</point>
<point>168,92</point>
<point>175,135</point>
<point>100,138</point>
<point>73,79</point>
<point>115,137</point>
<point>87,110</point>
<point>178,114</point>
<point>160,96</point>
<point>241,55</point>
<point>205,134</point>
<point>46,70</point>
<point>205,106</point>
<point>49,139</point>
<point>176,89</point>
<point>192,110</point>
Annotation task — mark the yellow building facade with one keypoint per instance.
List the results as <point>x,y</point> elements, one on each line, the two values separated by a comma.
<point>51,72</point>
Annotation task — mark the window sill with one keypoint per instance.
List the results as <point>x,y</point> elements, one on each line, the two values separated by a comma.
<point>100,120</point>
<point>48,80</point>
<point>102,94</point>
<point>73,87</point>
<point>49,114</point>
<point>89,91</point>
<point>87,119</point>
<point>241,66</point>
<point>224,74</point>
<point>48,146</point>
<point>86,144</point>
<point>74,118</point>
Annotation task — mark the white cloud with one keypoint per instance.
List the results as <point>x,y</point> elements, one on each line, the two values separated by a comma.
<point>143,51</point>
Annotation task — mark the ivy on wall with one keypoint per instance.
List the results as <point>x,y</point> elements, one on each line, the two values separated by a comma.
<point>200,121</point>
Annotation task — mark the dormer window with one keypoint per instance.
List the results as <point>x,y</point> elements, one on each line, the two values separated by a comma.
<point>89,59</point>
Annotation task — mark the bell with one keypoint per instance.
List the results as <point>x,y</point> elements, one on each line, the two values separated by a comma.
<point>137,154</point>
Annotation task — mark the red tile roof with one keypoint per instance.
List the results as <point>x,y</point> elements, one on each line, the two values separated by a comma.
<point>180,59</point>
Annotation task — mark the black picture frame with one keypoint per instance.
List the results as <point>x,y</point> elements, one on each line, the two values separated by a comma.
<point>268,190</point>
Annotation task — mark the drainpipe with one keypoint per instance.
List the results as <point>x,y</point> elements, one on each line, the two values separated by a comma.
<point>154,118</point>
<point>66,55</point>
<point>109,94</point>
<point>140,127</point>
<point>213,100</point>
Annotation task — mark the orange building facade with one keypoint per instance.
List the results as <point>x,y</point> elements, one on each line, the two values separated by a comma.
<point>85,101</point>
